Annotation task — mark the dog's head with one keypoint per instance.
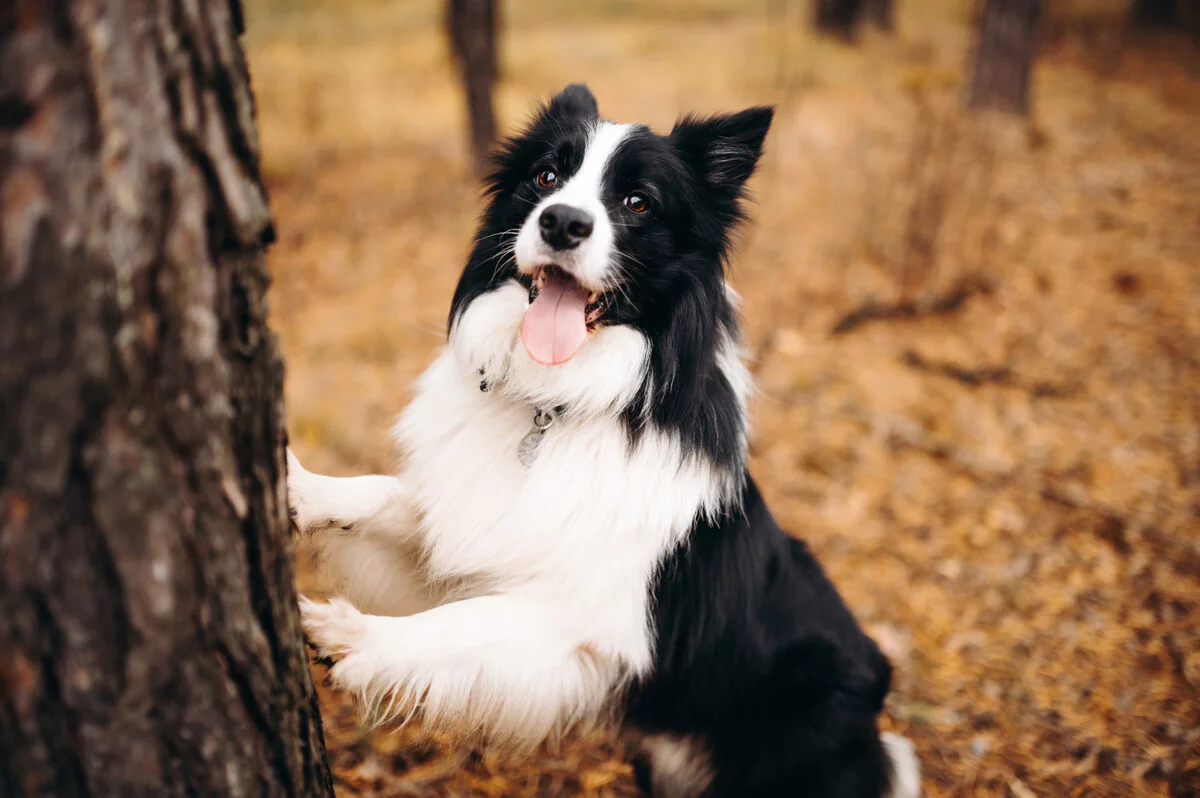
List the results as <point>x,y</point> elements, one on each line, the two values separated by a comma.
<point>611,224</point>
<point>597,279</point>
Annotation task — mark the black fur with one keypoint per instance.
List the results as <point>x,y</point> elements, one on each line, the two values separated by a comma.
<point>756,654</point>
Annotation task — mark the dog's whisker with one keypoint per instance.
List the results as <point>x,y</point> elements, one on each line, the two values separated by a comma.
<point>503,259</point>
<point>500,258</point>
<point>511,259</point>
<point>511,231</point>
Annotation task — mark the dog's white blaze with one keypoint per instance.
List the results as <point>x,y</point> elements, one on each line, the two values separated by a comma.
<point>550,566</point>
<point>590,262</point>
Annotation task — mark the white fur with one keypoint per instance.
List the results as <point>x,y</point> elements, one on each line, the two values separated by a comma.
<point>356,529</point>
<point>906,768</point>
<point>680,766</point>
<point>731,360</point>
<point>543,572</point>
<point>320,502</point>
<point>591,262</point>
<point>601,379</point>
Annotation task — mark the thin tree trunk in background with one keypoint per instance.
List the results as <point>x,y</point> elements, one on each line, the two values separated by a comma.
<point>881,13</point>
<point>1004,50</point>
<point>841,17</point>
<point>1156,13</point>
<point>837,17</point>
<point>471,26</point>
<point>149,638</point>
<point>1183,15</point>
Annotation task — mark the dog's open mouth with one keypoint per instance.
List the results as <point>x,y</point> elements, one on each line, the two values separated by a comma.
<point>561,314</point>
<point>597,301</point>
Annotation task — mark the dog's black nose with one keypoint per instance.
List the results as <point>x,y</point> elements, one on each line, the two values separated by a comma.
<point>563,227</point>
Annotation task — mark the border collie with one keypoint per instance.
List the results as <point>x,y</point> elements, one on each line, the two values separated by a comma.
<point>574,535</point>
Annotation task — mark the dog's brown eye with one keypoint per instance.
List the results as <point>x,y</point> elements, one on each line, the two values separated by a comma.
<point>636,203</point>
<point>547,178</point>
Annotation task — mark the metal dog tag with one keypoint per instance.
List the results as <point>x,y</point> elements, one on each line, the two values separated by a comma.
<point>528,448</point>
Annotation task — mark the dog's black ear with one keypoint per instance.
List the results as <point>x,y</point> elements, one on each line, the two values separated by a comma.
<point>575,100</point>
<point>725,148</point>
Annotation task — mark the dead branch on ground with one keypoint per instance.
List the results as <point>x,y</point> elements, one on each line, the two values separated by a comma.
<point>945,304</point>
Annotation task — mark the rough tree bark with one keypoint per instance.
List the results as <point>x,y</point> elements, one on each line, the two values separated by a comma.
<point>471,26</point>
<point>1004,51</point>
<point>149,639</point>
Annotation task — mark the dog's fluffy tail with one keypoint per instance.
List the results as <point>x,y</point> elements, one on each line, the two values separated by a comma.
<point>904,766</point>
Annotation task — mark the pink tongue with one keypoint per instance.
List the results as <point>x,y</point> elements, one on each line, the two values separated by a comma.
<point>554,326</point>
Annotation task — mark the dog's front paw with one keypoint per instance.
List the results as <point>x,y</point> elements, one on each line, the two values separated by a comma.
<point>335,628</point>
<point>299,503</point>
<point>338,631</point>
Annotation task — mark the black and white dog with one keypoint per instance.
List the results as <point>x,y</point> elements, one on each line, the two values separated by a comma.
<point>574,534</point>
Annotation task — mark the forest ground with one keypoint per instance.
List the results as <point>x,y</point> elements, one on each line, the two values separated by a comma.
<point>976,341</point>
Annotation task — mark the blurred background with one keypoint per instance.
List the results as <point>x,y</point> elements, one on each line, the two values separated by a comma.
<point>972,305</point>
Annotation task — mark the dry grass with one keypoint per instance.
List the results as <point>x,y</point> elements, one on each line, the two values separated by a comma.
<point>999,461</point>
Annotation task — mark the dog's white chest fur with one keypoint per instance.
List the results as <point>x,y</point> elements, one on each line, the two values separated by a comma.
<point>586,522</point>
<point>540,575</point>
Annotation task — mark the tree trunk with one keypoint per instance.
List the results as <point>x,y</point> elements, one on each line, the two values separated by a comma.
<point>841,17</point>
<point>1182,15</point>
<point>471,26</point>
<point>881,13</point>
<point>1004,55</point>
<point>149,639</point>
<point>1156,13</point>
<point>837,17</point>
